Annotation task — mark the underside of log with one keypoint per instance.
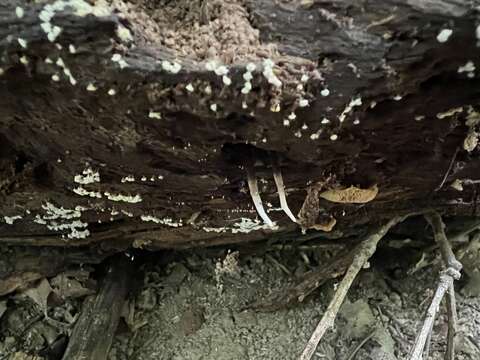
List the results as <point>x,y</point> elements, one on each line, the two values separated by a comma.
<point>134,124</point>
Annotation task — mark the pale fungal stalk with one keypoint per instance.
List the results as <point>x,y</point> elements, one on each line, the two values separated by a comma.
<point>257,200</point>
<point>277,176</point>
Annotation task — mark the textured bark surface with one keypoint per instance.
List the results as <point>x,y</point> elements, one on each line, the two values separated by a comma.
<point>398,112</point>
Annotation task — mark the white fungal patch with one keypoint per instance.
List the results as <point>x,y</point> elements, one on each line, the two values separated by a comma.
<point>117,58</point>
<point>2,71</point>
<point>444,35</point>
<point>333,137</point>
<point>123,198</point>
<point>128,178</point>
<point>468,68</point>
<point>213,107</point>
<point>298,134</point>
<point>55,77</point>
<point>304,127</point>
<point>269,74</point>
<point>247,87</point>
<point>165,221</point>
<point>477,32</point>
<point>208,90</point>
<point>277,176</point>
<point>292,116</point>
<point>397,97</point>
<point>450,112</point>
<point>91,87</point>
<point>19,12</point>
<point>84,192</point>
<point>189,87</point>
<point>124,34</point>
<point>88,176</point>
<point>111,92</point>
<point>172,68</point>
<point>55,219</point>
<point>154,115</point>
<point>315,136</point>
<point>275,107</point>
<point>226,80</point>
<point>303,102</point>
<point>11,219</point>
<point>221,70</point>
<point>304,78</point>
<point>325,92</point>
<point>24,60</point>
<point>48,60</point>
<point>244,226</point>
<point>356,122</point>
<point>72,49</point>
<point>251,67</point>
<point>325,121</point>
<point>286,122</point>
<point>471,141</point>
<point>349,108</point>
<point>22,42</point>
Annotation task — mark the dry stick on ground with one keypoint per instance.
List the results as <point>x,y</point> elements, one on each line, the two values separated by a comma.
<point>445,284</point>
<point>365,250</point>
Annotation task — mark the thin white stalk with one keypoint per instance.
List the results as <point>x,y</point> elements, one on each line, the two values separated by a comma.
<point>277,176</point>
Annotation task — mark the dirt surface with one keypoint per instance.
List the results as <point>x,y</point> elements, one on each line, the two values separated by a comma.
<point>199,309</point>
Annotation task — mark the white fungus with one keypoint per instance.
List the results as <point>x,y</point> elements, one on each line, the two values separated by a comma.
<point>226,80</point>
<point>325,92</point>
<point>292,116</point>
<point>91,87</point>
<point>24,60</point>
<point>19,12</point>
<point>124,198</point>
<point>269,74</point>
<point>111,92</point>
<point>477,32</point>
<point>251,67</point>
<point>303,102</point>
<point>88,176</point>
<point>124,34</point>
<point>22,42</point>
<point>213,107</point>
<point>325,121</point>
<point>55,77</point>
<point>128,178</point>
<point>444,35</point>
<point>117,58</point>
<point>154,115</point>
<point>11,219</point>
<point>189,87</point>
<point>72,49</point>
<point>286,122</point>
<point>333,137</point>
<point>468,68</point>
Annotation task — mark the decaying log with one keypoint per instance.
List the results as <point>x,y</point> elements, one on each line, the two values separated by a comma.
<point>115,135</point>
<point>93,333</point>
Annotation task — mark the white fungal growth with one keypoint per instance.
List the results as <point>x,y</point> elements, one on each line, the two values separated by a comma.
<point>117,58</point>
<point>247,87</point>
<point>11,219</point>
<point>22,42</point>
<point>303,102</point>
<point>2,71</point>
<point>275,107</point>
<point>251,67</point>
<point>72,49</point>
<point>48,60</point>
<point>91,87</point>
<point>165,221</point>
<point>298,134</point>
<point>325,121</point>
<point>221,70</point>
<point>257,200</point>
<point>154,115</point>
<point>397,97</point>
<point>468,68</point>
<point>444,35</point>
<point>277,176</point>
<point>111,92</point>
<point>471,141</point>
<point>269,74</point>
<point>128,178</point>
<point>213,107</point>
<point>56,219</point>
<point>24,60</point>
<point>172,68</point>
<point>315,136</point>
<point>88,176</point>
<point>124,198</point>
<point>325,92</point>
<point>189,87</point>
<point>244,226</point>
<point>450,112</point>
<point>304,78</point>
<point>55,77</point>
<point>54,33</point>
<point>356,122</point>
<point>292,116</point>
<point>247,76</point>
<point>477,32</point>
<point>349,108</point>
<point>226,80</point>
<point>333,137</point>
<point>286,122</point>
<point>84,192</point>
<point>19,12</point>
<point>124,34</point>
<point>304,127</point>
<point>143,178</point>
<point>208,90</point>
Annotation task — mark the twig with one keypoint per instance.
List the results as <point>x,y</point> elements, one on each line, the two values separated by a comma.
<point>365,250</point>
<point>452,323</point>
<point>359,346</point>
<point>445,284</point>
<point>257,200</point>
<point>448,170</point>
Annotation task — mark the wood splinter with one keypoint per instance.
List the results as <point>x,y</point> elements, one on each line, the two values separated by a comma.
<point>445,285</point>
<point>364,251</point>
<point>93,333</point>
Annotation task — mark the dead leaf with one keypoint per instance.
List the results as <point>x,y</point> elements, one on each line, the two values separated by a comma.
<point>350,195</point>
<point>327,227</point>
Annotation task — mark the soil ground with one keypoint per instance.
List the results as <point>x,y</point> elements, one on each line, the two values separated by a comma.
<point>198,307</point>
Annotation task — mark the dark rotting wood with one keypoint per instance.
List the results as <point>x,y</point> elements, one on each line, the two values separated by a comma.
<point>93,333</point>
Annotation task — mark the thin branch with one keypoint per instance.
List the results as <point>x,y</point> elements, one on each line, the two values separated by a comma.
<point>445,177</point>
<point>452,323</point>
<point>365,250</point>
<point>277,176</point>
<point>359,346</point>
<point>447,278</point>
<point>257,200</point>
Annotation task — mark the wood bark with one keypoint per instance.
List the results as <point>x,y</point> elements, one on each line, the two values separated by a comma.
<point>172,172</point>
